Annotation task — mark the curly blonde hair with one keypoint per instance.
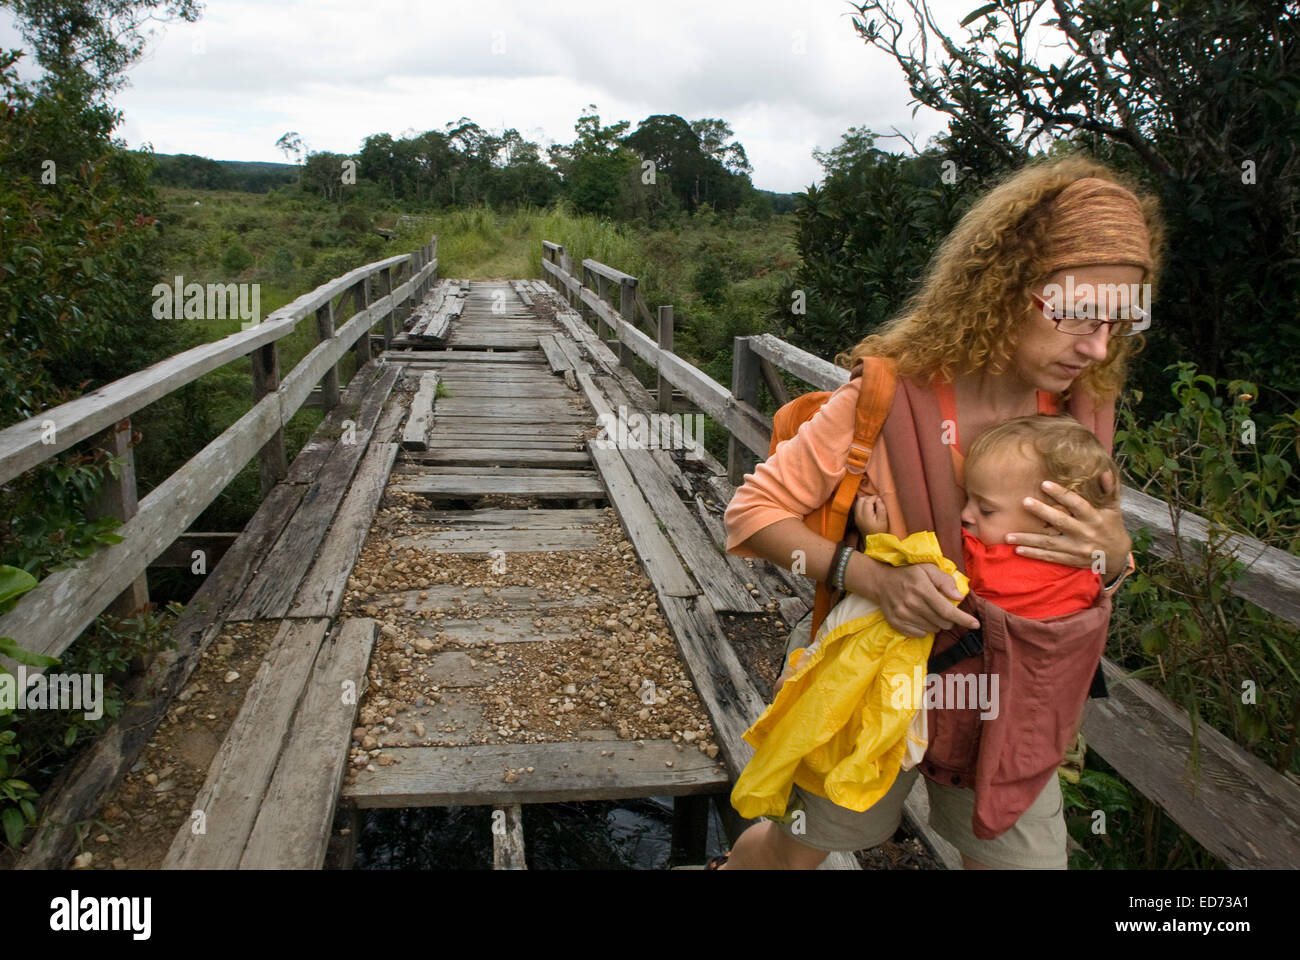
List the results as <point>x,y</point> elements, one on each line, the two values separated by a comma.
<point>1065,449</point>
<point>969,311</point>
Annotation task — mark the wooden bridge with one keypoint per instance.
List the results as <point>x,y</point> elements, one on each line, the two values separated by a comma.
<point>470,588</point>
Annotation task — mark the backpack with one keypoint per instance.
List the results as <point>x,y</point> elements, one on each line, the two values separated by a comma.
<point>875,399</point>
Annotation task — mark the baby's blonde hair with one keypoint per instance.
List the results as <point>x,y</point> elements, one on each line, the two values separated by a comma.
<point>1067,451</point>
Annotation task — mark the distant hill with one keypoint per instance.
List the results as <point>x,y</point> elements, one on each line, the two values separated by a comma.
<point>201,173</point>
<point>781,202</point>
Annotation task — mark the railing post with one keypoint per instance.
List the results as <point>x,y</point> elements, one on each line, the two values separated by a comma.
<point>626,308</point>
<point>329,384</point>
<point>665,338</point>
<point>119,498</point>
<point>361,297</point>
<point>272,462</point>
<point>585,310</point>
<point>385,289</point>
<point>744,387</point>
<point>600,294</point>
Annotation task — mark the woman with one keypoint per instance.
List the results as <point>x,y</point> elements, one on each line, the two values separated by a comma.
<point>988,337</point>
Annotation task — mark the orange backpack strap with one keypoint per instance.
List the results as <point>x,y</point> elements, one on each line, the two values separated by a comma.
<point>875,398</point>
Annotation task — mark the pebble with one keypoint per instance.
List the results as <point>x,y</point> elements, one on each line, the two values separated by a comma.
<point>231,676</point>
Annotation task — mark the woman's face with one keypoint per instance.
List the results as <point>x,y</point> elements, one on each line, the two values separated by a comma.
<point>1047,359</point>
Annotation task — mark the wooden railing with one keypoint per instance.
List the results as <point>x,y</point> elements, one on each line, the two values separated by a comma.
<point>1238,807</point>
<point>49,618</point>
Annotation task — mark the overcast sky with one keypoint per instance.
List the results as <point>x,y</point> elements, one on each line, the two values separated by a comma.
<point>787,76</point>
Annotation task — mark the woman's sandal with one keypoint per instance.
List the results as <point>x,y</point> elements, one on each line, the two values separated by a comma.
<point>718,861</point>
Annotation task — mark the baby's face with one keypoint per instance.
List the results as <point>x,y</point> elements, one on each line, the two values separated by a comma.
<point>996,488</point>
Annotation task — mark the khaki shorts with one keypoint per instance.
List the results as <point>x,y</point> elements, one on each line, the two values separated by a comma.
<point>1035,842</point>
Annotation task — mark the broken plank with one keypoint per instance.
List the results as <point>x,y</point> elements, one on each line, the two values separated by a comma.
<point>416,432</point>
<point>555,357</point>
<point>596,770</point>
<point>239,775</point>
<point>725,590</point>
<point>641,526</point>
<point>272,588</point>
<point>508,838</point>
<point>718,677</point>
<point>321,592</point>
<point>292,830</point>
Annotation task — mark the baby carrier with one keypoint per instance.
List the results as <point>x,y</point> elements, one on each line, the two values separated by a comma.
<point>1045,668</point>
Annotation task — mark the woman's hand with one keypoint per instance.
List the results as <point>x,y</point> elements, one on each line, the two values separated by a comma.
<point>915,599</point>
<point>1086,533</point>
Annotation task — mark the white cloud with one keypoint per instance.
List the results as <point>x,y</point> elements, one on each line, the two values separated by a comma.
<point>336,71</point>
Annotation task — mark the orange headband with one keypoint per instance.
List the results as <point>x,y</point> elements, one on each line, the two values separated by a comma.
<point>1094,222</point>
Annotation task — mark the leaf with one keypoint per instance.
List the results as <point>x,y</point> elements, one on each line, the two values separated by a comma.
<point>976,14</point>
<point>14,652</point>
<point>14,826</point>
<point>14,582</point>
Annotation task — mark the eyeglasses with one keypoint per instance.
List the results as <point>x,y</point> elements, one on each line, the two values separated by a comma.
<point>1131,321</point>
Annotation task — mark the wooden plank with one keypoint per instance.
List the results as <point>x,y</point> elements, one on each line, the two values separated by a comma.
<point>562,772</point>
<point>499,519</point>
<point>481,486</point>
<point>53,614</point>
<point>272,589</point>
<point>486,387</point>
<point>1271,575</point>
<point>292,830</point>
<point>725,590</point>
<point>1238,808</point>
<point>511,541</point>
<point>555,357</point>
<point>416,432</point>
<point>570,350</point>
<point>492,470</point>
<point>446,442</point>
<point>85,784</point>
<point>321,592</point>
<point>806,366</point>
<point>504,456</point>
<point>520,358</point>
<point>314,453</point>
<point>493,430</point>
<point>508,838</point>
<point>525,412</point>
<point>641,526</point>
<point>26,444</point>
<point>718,677</point>
<point>242,770</point>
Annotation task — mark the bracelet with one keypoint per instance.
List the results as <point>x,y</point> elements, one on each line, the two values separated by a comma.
<point>839,567</point>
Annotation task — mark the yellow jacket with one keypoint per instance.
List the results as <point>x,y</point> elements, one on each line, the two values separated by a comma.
<point>839,726</point>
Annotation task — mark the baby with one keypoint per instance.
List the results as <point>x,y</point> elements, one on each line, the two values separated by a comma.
<point>1006,464</point>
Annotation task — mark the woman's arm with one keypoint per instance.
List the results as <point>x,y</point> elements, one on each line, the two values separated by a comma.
<point>914,599</point>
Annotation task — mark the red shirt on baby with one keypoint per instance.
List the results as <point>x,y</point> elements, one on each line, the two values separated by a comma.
<point>1026,586</point>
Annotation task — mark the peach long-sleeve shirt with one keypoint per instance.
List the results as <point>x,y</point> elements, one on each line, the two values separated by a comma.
<point>805,470</point>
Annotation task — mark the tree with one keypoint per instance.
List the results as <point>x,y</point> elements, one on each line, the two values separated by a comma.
<point>1197,98</point>
<point>98,39</point>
